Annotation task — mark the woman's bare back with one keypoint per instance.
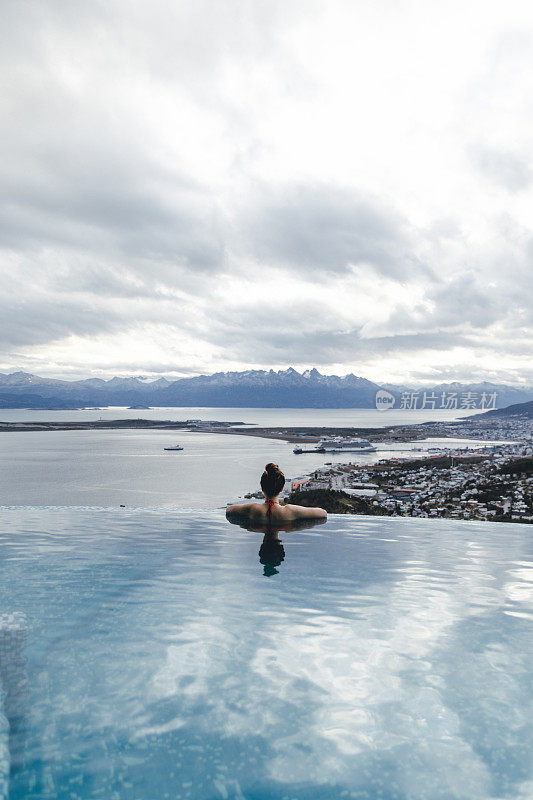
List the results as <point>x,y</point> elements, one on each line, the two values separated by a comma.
<point>278,513</point>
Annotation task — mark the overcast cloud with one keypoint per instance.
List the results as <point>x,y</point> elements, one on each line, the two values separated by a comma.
<point>200,186</point>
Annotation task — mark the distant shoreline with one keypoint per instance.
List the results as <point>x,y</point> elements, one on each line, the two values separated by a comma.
<point>300,434</point>
<point>103,424</point>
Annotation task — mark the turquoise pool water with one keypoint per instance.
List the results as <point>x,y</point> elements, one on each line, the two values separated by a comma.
<point>151,655</point>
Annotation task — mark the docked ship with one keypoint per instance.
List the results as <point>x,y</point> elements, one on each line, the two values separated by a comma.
<point>346,444</point>
<point>174,447</point>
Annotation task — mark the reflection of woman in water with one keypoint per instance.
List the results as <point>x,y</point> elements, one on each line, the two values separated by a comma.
<point>272,552</point>
<point>272,482</point>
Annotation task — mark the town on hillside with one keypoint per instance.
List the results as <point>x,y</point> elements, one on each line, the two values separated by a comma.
<point>494,482</point>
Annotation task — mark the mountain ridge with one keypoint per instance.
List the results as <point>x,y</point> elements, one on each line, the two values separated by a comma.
<point>515,410</point>
<point>248,388</point>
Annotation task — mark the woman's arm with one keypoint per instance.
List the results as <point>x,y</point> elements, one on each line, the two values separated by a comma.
<point>238,510</point>
<point>304,512</point>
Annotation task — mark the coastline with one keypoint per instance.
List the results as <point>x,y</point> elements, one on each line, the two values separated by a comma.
<point>292,434</point>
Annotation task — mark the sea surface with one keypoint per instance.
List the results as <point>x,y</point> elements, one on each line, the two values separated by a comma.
<point>131,468</point>
<point>152,655</point>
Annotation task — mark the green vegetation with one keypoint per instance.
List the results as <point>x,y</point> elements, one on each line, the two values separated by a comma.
<point>518,466</point>
<point>336,502</point>
<point>437,462</point>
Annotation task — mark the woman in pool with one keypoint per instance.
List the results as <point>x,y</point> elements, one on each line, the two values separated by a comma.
<point>272,482</point>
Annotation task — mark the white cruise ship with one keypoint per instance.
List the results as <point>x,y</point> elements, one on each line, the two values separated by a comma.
<point>347,444</point>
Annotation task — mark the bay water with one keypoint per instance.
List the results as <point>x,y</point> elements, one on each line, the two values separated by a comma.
<point>131,467</point>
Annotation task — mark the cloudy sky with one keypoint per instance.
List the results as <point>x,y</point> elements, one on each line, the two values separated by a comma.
<point>199,185</point>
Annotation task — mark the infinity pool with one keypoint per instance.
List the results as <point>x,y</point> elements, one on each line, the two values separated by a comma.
<point>150,655</point>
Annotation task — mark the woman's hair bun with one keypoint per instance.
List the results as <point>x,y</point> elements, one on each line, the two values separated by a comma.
<point>272,468</point>
<point>272,480</point>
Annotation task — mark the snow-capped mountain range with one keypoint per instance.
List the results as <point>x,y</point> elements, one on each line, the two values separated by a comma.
<point>251,388</point>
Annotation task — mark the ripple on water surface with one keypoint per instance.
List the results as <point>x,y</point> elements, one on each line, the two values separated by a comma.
<point>173,655</point>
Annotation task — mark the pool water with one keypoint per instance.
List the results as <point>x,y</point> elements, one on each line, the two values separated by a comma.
<point>149,655</point>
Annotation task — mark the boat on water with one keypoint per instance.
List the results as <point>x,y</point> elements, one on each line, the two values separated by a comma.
<point>174,447</point>
<point>346,443</point>
<point>298,450</point>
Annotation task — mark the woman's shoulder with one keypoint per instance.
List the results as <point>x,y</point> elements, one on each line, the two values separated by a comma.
<point>304,512</point>
<point>243,509</point>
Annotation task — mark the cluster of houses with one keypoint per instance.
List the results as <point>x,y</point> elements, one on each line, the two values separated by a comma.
<point>509,428</point>
<point>475,490</point>
<point>517,428</point>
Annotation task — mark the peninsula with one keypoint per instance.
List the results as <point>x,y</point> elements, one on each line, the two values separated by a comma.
<point>111,424</point>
